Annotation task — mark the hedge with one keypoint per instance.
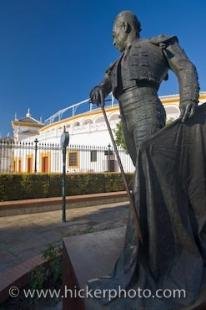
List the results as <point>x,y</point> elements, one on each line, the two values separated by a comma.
<point>27,186</point>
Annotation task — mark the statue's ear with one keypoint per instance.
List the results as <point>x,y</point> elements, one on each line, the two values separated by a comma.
<point>126,26</point>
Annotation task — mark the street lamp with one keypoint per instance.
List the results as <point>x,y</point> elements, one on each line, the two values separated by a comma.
<point>109,153</point>
<point>64,144</point>
<point>35,154</point>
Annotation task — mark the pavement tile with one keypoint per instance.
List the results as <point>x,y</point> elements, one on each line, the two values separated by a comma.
<point>24,236</point>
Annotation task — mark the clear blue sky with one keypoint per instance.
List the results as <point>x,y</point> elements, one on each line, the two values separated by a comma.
<point>53,52</point>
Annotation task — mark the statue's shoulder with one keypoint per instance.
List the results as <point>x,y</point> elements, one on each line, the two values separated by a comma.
<point>111,66</point>
<point>163,40</point>
<point>160,40</point>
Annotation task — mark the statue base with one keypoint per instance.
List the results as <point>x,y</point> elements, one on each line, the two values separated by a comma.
<point>86,257</point>
<point>91,256</point>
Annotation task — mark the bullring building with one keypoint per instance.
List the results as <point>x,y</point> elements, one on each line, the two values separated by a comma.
<point>37,144</point>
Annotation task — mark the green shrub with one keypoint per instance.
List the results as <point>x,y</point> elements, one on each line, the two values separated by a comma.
<point>28,186</point>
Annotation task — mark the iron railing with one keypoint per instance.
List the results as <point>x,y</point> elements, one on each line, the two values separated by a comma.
<point>37,157</point>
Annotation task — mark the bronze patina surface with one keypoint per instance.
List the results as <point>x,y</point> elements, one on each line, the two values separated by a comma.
<point>170,177</point>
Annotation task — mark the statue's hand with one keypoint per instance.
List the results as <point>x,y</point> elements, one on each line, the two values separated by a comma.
<point>97,96</point>
<point>187,109</point>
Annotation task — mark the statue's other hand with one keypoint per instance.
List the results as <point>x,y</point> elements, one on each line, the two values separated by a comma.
<point>96,95</point>
<point>187,109</point>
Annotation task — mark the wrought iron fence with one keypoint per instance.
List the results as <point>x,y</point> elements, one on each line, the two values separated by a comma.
<point>37,157</point>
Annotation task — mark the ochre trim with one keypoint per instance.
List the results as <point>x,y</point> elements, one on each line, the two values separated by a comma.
<point>78,159</point>
<point>29,156</point>
<point>166,100</point>
<point>25,124</point>
<point>42,155</point>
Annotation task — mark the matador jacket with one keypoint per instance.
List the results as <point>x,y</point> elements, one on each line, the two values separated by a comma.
<point>149,61</point>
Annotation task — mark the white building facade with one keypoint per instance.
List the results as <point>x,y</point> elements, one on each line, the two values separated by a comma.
<point>89,148</point>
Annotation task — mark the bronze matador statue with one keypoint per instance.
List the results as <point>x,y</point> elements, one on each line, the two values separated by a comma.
<point>135,77</point>
<point>170,177</point>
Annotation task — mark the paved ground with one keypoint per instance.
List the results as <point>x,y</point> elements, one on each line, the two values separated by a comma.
<point>24,236</point>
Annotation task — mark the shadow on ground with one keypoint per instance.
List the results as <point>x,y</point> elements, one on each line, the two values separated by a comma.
<point>24,236</point>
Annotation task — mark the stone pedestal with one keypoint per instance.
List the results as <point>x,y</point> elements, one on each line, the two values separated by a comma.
<point>89,256</point>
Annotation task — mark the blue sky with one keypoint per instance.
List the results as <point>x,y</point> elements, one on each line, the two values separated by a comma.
<point>54,51</point>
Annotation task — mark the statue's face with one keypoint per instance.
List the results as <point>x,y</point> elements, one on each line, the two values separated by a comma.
<point>119,35</point>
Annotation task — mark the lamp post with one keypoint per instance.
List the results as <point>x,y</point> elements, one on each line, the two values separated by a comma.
<point>35,155</point>
<point>109,152</point>
<point>64,144</point>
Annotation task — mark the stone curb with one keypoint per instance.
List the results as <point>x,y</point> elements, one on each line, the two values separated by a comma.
<point>57,200</point>
<point>16,207</point>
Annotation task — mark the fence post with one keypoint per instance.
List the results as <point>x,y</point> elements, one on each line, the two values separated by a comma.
<point>64,144</point>
<point>35,155</point>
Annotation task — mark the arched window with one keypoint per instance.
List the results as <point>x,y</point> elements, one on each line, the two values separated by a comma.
<point>87,122</point>
<point>172,112</point>
<point>172,109</point>
<point>76,124</point>
<point>114,117</point>
<point>99,120</point>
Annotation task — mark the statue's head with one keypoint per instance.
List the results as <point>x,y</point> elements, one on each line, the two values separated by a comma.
<point>125,29</point>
